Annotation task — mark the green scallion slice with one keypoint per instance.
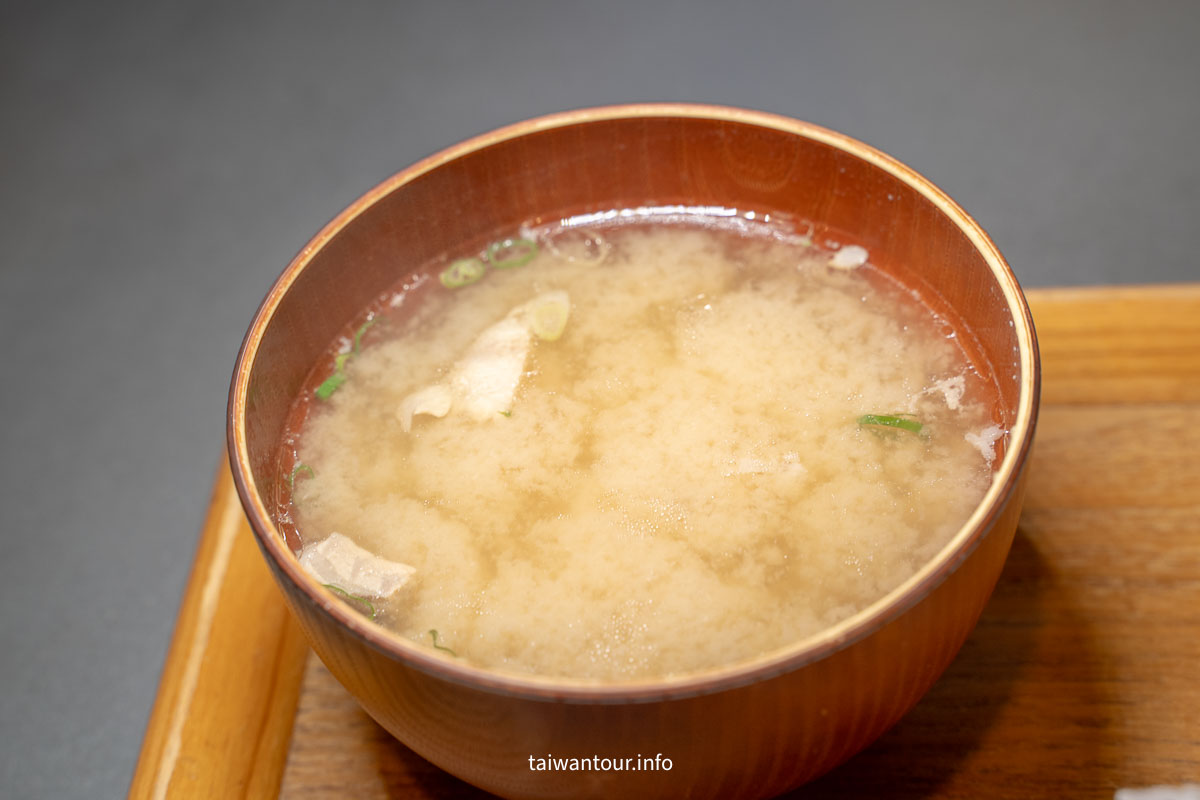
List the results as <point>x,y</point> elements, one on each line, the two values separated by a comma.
<point>433,634</point>
<point>330,385</point>
<point>300,467</point>
<point>891,421</point>
<point>549,318</point>
<point>362,602</point>
<point>462,272</point>
<point>358,334</point>
<point>509,253</point>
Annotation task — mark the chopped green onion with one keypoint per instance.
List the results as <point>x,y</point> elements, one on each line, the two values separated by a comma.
<point>463,272</point>
<point>434,634</point>
<point>361,601</point>
<point>300,467</point>
<point>506,413</point>
<point>524,250</point>
<point>330,385</point>
<point>549,319</point>
<point>890,421</point>
<point>358,334</point>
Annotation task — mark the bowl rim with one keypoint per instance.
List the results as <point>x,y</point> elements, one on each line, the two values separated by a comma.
<point>815,647</point>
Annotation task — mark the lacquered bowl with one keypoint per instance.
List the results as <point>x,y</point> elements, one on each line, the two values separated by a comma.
<point>754,728</point>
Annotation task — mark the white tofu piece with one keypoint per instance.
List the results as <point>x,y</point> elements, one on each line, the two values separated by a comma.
<point>484,381</point>
<point>339,561</point>
<point>985,440</point>
<point>434,400</point>
<point>849,257</point>
<point>952,389</point>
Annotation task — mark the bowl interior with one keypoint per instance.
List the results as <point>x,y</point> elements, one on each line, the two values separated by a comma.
<point>623,158</point>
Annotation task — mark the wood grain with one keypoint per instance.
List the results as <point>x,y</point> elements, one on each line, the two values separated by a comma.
<point>1080,678</point>
<point>223,716</point>
<point>1131,345</point>
<point>339,751</point>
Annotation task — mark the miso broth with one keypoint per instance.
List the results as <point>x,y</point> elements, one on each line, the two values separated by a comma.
<point>635,450</point>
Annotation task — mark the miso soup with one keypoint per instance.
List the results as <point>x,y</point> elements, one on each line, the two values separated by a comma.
<point>635,450</point>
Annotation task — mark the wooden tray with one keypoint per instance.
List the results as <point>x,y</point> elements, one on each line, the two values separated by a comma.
<point>1082,677</point>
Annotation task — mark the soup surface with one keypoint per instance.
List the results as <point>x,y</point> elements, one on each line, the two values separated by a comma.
<point>641,450</point>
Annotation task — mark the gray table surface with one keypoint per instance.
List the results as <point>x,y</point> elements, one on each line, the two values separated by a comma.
<point>161,162</point>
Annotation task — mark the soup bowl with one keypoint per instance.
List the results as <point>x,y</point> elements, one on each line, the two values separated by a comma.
<point>752,728</point>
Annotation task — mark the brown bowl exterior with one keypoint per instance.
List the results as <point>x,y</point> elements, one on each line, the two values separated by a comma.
<point>754,729</point>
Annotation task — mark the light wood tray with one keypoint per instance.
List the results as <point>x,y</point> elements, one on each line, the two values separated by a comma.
<point>1083,675</point>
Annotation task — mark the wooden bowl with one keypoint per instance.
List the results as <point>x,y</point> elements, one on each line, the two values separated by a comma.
<point>751,729</point>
